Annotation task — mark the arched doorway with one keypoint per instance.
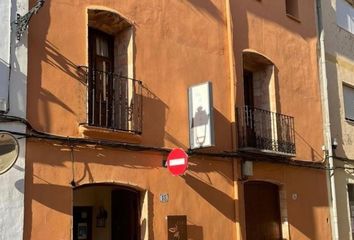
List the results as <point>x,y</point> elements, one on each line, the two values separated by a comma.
<point>262,211</point>
<point>108,212</point>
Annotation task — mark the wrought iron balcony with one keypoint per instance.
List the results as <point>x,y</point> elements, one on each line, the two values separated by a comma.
<point>264,131</point>
<point>114,101</point>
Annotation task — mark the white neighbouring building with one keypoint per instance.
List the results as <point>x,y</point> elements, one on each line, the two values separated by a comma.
<point>13,78</point>
<point>338,25</point>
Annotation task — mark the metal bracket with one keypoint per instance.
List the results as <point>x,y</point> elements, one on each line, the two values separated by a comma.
<point>23,21</point>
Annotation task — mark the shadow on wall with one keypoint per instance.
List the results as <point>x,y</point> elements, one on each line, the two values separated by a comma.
<point>4,73</point>
<point>206,7</point>
<point>223,134</point>
<point>154,118</point>
<point>51,201</point>
<point>301,142</point>
<point>18,78</point>
<point>195,232</point>
<point>45,97</point>
<point>270,11</point>
<point>218,199</point>
<point>57,60</point>
<point>222,129</point>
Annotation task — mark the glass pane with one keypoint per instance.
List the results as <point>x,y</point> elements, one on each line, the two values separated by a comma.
<point>102,47</point>
<point>348,93</point>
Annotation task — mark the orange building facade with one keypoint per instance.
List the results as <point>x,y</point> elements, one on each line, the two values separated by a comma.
<point>107,100</point>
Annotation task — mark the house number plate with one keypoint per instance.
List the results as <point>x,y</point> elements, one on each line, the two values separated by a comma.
<point>164,197</point>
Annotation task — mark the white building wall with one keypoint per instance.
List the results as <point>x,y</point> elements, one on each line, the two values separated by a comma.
<point>12,182</point>
<point>5,13</point>
<point>338,22</point>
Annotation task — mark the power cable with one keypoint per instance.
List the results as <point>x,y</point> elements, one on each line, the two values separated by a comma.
<point>71,141</point>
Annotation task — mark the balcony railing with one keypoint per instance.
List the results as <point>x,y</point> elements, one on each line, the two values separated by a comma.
<point>265,131</point>
<point>114,101</point>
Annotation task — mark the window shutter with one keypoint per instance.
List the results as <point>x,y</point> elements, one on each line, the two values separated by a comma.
<point>348,93</point>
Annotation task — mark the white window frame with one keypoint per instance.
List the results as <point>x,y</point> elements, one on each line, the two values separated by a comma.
<point>345,15</point>
<point>348,101</point>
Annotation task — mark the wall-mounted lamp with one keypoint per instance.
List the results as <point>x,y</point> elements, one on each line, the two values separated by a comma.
<point>247,169</point>
<point>101,217</point>
<point>334,144</point>
<point>199,123</point>
<point>201,120</point>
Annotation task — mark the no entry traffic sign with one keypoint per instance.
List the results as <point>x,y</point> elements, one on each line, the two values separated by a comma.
<point>177,161</point>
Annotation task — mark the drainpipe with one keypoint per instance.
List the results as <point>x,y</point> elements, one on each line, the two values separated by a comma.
<point>327,125</point>
<point>232,78</point>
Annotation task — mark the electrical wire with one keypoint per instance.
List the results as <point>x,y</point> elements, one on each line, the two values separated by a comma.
<point>71,141</point>
<point>72,158</point>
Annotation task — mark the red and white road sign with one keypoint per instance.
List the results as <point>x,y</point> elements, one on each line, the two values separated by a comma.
<point>177,161</point>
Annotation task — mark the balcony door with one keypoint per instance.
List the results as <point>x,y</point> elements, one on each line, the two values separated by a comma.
<point>100,78</point>
<point>248,88</point>
<point>259,98</point>
<point>249,106</point>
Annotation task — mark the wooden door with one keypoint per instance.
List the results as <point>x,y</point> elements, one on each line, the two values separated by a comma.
<point>262,211</point>
<point>248,88</point>
<point>249,109</point>
<point>125,215</point>
<point>100,78</point>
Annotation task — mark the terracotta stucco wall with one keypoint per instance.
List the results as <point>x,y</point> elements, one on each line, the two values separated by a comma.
<point>205,194</point>
<point>177,44</point>
<point>172,52</point>
<point>264,27</point>
<point>304,196</point>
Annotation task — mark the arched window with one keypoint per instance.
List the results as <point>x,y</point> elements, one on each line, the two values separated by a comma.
<point>259,81</point>
<point>260,126</point>
<point>112,89</point>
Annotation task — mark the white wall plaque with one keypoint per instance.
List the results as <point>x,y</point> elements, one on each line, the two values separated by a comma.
<point>201,116</point>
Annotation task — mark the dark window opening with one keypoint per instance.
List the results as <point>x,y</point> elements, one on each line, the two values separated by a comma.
<point>292,8</point>
<point>248,88</point>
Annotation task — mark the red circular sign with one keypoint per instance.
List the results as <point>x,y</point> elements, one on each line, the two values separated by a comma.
<point>177,161</point>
